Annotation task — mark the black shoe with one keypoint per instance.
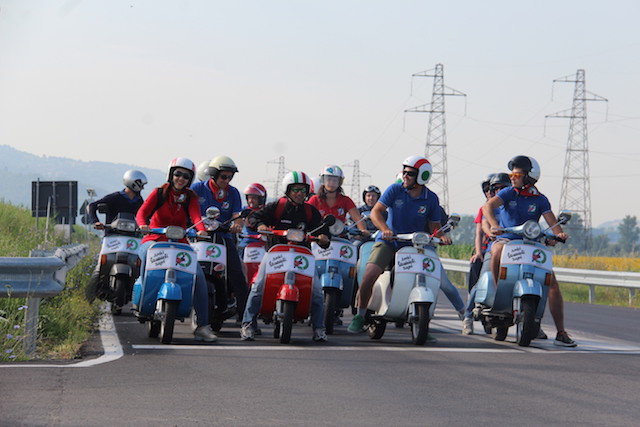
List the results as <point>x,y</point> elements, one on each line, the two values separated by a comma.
<point>562,339</point>
<point>541,335</point>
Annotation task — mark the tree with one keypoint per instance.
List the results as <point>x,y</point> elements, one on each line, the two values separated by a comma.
<point>629,234</point>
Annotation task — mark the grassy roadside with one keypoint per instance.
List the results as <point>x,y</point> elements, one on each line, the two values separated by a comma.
<point>67,320</point>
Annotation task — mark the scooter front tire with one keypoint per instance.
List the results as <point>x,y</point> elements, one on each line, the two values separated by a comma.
<point>170,309</point>
<point>330,300</point>
<point>420,325</point>
<point>376,329</point>
<point>289,309</point>
<point>153,328</point>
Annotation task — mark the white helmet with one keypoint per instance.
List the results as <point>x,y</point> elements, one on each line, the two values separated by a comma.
<point>296,177</point>
<point>134,179</point>
<point>528,165</point>
<point>202,173</point>
<point>181,162</point>
<point>332,170</point>
<point>221,163</point>
<point>423,167</point>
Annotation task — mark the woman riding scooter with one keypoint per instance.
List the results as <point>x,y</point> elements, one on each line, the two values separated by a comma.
<point>171,204</point>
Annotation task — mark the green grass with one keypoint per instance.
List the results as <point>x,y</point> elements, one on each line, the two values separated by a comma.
<point>66,320</point>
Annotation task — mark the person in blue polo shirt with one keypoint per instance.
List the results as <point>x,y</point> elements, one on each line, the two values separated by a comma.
<point>217,191</point>
<point>412,207</point>
<point>520,203</point>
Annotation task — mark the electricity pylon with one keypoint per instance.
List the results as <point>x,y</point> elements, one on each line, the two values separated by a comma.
<point>355,180</point>
<point>576,189</point>
<point>278,180</point>
<point>436,147</point>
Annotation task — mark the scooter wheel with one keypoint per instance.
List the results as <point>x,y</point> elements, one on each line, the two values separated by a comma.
<point>376,329</point>
<point>153,328</point>
<point>501,333</point>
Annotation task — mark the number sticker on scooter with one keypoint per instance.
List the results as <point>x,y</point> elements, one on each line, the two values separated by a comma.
<point>527,254</point>
<point>418,263</point>
<point>211,252</point>
<point>281,262</point>
<point>113,244</point>
<point>253,254</point>
<point>339,251</point>
<point>176,258</point>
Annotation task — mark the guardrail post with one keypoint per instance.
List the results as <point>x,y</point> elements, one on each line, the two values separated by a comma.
<point>31,325</point>
<point>632,294</point>
<point>592,294</point>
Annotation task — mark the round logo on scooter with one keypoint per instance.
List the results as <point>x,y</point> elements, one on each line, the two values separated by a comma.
<point>213,252</point>
<point>346,252</point>
<point>539,257</point>
<point>183,259</point>
<point>132,244</point>
<point>428,265</point>
<point>300,262</point>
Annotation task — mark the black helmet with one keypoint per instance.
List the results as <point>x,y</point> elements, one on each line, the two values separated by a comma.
<point>371,189</point>
<point>486,184</point>
<point>501,179</point>
<point>528,165</point>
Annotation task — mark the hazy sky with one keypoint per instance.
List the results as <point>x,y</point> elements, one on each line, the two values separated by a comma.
<point>142,82</point>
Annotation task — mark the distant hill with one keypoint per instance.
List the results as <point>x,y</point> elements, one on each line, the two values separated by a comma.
<point>18,169</point>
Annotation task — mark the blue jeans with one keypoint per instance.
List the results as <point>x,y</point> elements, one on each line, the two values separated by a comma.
<point>254,302</point>
<point>200,293</point>
<point>451,292</point>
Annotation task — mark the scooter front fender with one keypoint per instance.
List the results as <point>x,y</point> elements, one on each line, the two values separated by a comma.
<point>527,287</point>
<point>170,291</point>
<point>288,293</point>
<point>121,270</point>
<point>421,294</point>
<point>331,282</point>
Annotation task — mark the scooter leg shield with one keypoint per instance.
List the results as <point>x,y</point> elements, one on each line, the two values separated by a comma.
<point>486,289</point>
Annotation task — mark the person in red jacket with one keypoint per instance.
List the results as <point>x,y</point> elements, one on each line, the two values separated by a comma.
<point>172,204</point>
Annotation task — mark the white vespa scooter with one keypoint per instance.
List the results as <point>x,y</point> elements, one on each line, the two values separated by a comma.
<point>409,292</point>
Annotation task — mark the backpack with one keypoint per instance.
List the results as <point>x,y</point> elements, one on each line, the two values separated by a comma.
<point>160,201</point>
<point>282,202</point>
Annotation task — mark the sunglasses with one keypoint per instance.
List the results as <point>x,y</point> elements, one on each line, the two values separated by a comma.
<point>410,173</point>
<point>515,175</point>
<point>299,190</point>
<point>184,175</point>
<point>225,177</point>
<point>496,189</point>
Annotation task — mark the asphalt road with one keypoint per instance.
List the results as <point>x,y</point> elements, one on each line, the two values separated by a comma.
<point>351,380</point>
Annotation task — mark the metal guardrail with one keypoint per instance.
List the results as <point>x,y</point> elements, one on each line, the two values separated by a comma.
<point>41,275</point>
<point>592,278</point>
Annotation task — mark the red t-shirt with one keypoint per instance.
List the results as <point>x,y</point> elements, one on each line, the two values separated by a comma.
<point>478,219</point>
<point>172,212</point>
<point>340,209</point>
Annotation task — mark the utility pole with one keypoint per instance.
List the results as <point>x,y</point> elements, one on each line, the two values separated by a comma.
<point>575,194</point>
<point>280,177</point>
<point>436,147</point>
<point>355,181</point>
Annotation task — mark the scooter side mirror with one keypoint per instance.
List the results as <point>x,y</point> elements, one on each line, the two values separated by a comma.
<point>212,212</point>
<point>564,217</point>
<point>365,214</point>
<point>329,220</point>
<point>336,228</point>
<point>454,219</point>
<point>103,208</point>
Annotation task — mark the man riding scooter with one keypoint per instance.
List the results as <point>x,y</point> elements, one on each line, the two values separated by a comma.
<point>412,207</point>
<point>521,202</point>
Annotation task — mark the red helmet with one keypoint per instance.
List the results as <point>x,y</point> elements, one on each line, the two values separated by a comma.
<point>422,166</point>
<point>184,163</point>
<point>256,189</point>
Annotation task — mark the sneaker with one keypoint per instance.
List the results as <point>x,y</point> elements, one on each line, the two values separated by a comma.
<point>431,338</point>
<point>467,326</point>
<point>319,335</point>
<point>562,339</point>
<point>246,332</point>
<point>541,335</point>
<point>204,333</point>
<point>357,325</point>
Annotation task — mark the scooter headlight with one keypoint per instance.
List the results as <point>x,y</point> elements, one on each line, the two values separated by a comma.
<point>295,235</point>
<point>174,232</point>
<point>125,225</point>
<point>531,230</point>
<point>421,239</point>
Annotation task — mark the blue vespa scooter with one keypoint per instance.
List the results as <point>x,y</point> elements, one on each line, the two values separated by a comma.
<point>523,283</point>
<point>165,293</point>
